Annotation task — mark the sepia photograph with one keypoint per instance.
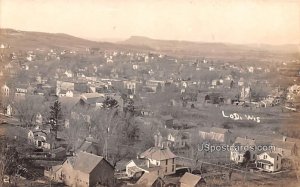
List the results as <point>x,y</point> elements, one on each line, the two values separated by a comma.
<point>149,93</point>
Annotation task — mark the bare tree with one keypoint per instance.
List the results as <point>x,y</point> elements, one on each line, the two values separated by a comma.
<point>8,160</point>
<point>27,108</point>
<point>111,128</point>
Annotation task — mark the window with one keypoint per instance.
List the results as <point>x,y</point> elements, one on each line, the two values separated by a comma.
<point>173,168</point>
<point>173,161</point>
<point>166,170</point>
<point>166,162</point>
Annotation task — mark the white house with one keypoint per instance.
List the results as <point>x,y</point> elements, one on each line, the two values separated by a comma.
<point>9,110</point>
<point>177,139</point>
<point>68,73</point>
<point>157,160</point>
<point>270,162</point>
<point>5,90</point>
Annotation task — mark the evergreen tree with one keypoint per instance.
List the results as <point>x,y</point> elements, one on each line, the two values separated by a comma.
<point>55,116</point>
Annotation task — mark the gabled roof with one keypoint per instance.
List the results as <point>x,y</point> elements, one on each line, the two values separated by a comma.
<point>147,179</point>
<point>273,155</point>
<point>86,162</point>
<point>85,146</point>
<point>190,179</point>
<point>92,98</point>
<point>158,153</point>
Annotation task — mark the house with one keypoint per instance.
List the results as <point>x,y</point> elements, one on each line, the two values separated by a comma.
<point>69,73</point>
<point>149,180</point>
<point>137,167</point>
<point>191,180</point>
<point>54,173</point>
<point>285,147</point>
<point>9,110</point>
<point>243,150</point>
<point>21,90</point>
<point>43,139</point>
<point>155,85</point>
<point>215,82</point>
<point>5,90</point>
<point>66,93</point>
<point>157,160</point>
<point>130,86</point>
<point>162,157</point>
<point>168,121</point>
<point>214,98</point>
<point>245,94</point>
<point>216,134</point>
<point>177,139</point>
<point>241,82</point>
<point>63,85</point>
<point>267,161</point>
<point>38,119</point>
<point>58,153</point>
<point>85,170</point>
<point>92,99</point>
<point>89,145</point>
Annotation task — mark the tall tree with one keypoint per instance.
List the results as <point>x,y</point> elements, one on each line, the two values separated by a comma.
<point>55,116</point>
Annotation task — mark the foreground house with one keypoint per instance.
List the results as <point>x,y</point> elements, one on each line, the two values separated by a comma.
<point>149,180</point>
<point>83,170</point>
<point>157,160</point>
<point>270,162</point>
<point>191,180</point>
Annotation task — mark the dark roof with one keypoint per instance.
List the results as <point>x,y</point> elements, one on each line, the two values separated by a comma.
<point>86,162</point>
<point>147,179</point>
<point>85,146</point>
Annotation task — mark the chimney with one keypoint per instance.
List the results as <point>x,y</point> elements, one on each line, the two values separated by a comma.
<point>160,141</point>
<point>284,138</point>
<point>155,140</point>
<point>246,137</point>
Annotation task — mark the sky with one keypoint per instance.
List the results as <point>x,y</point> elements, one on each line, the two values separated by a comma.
<point>228,21</point>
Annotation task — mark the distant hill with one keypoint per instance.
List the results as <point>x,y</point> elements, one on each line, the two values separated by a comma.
<point>27,40</point>
<point>186,47</point>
